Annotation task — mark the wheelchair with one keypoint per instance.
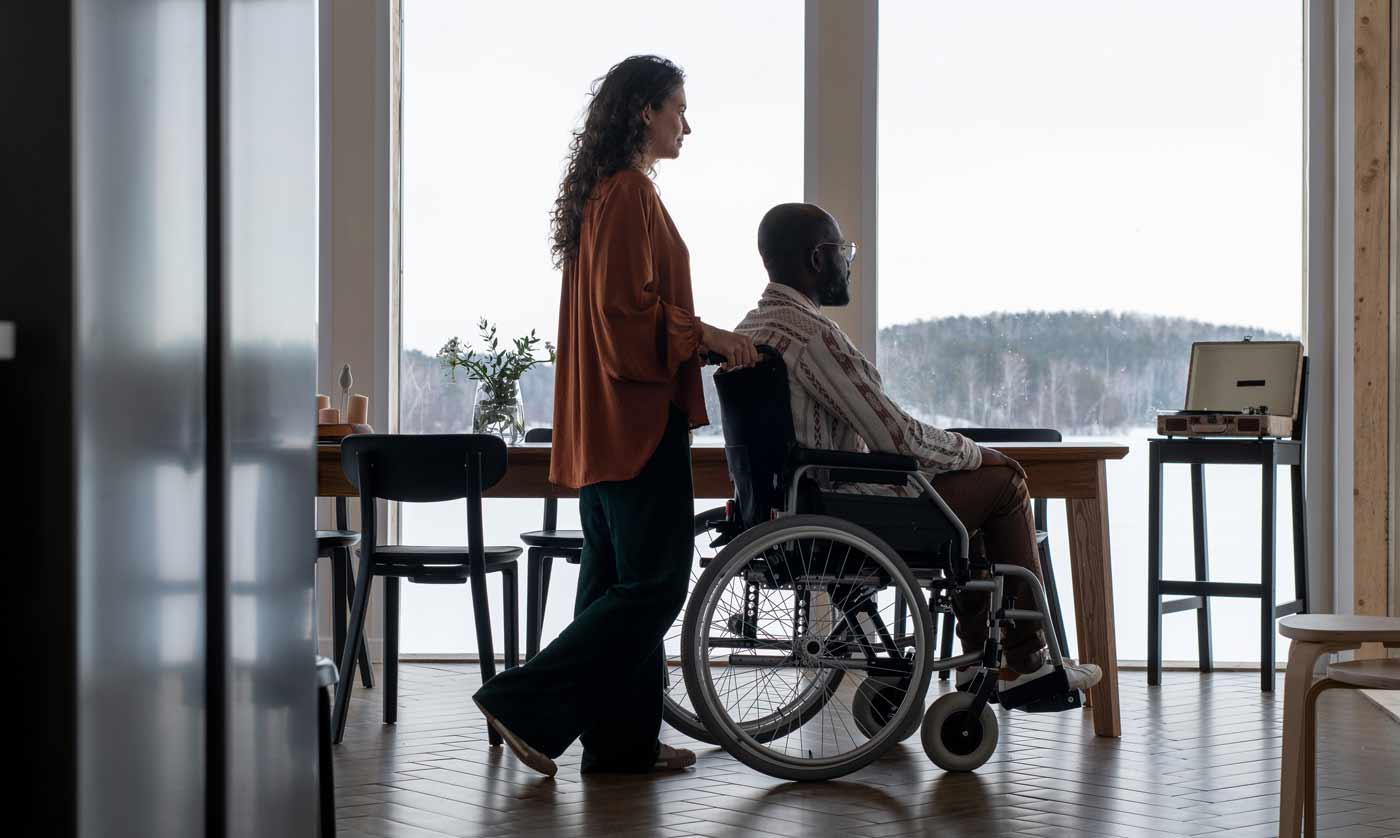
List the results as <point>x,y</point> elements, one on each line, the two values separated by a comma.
<point>808,641</point>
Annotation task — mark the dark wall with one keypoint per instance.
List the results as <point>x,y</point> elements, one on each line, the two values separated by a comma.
<point>36,509</point>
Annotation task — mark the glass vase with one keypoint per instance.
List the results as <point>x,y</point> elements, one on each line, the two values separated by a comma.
<point>501,415</point>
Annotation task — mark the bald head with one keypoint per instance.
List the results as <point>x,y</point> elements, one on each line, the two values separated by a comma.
<point>786,236</point>
<point>789,239</point>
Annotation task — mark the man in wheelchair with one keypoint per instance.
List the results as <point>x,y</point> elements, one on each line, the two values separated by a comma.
<point>838,403</point>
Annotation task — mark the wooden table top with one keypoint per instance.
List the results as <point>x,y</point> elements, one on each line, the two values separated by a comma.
<point>1053,470</point>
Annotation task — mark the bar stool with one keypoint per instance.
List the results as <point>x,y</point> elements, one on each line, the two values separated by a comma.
<point>1195,594</point>
<point>544,546</point>
<point>1314,635</point>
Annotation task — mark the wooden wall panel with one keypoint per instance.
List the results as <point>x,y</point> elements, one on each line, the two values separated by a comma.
<point>1372,308</point>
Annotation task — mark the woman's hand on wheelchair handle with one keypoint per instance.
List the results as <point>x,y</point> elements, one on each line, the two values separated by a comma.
<point>737,350</point>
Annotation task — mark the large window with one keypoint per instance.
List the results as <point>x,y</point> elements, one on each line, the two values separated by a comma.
<point>1069,195</point>
<point>491,92</point>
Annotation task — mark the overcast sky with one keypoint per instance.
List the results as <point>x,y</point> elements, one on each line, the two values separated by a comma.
<point>1137,156</point>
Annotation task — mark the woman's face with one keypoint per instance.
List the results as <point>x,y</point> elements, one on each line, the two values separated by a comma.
<point>666,127</point>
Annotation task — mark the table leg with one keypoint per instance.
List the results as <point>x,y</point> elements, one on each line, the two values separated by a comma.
<point>1091,563</point>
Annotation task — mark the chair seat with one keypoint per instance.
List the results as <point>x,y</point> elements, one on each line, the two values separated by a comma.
<point>438,565</point>
<point>334,539</point>
<point>1340,628</point>
<point>562,539</point>
<point>1381,674</point>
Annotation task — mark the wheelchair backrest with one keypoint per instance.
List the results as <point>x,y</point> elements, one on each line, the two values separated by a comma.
<point>757,413</point>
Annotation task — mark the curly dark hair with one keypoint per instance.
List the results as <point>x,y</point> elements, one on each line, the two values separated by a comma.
<point>611,139</point>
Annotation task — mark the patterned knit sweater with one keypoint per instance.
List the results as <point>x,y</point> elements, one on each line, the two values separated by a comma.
<point>838,400</point>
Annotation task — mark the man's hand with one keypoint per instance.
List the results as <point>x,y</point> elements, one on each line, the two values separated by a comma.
<point>737,350</point>
<point>993,457</point>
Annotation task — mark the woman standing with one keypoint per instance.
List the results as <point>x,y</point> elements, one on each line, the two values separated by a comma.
<point>627,392</point>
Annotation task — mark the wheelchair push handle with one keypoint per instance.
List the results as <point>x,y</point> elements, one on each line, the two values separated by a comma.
<point>716,359</point>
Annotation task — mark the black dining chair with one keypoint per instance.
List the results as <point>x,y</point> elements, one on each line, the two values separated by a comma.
<point>336,546</point>
<point>427,468</point>
<point>545,545</point>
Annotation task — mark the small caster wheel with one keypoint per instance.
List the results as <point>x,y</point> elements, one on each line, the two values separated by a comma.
<point>876,701</point>
<point>953,739</point>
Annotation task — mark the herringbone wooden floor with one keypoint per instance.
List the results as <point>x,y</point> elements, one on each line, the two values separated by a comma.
<point>1199,755</point>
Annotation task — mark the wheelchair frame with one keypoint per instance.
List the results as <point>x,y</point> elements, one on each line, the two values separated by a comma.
<point>998,614</point>
<point>767,415</point>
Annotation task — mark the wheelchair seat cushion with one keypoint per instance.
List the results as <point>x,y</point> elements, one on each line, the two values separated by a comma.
<point>913,527</point>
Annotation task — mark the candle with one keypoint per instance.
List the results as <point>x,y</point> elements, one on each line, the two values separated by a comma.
<point>359,410</point>
<point>328,416</point>
<point>322,402</point>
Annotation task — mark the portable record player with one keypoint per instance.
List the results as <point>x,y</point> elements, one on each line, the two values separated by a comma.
<point>1239,388</point>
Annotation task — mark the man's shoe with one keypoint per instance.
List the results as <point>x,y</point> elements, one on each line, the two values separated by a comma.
<point>520,748</point>
<point>1017,689</point>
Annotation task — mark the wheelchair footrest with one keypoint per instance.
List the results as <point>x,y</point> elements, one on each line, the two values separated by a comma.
<point>1047,689</point>
<point>1072,700</point>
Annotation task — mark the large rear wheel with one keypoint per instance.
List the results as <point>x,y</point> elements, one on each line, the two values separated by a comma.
<point>782,631</point>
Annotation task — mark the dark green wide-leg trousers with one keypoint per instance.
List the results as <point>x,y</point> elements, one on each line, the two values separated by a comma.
<point>601,679</point>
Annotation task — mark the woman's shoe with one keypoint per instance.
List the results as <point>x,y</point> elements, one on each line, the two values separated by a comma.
<point>672,759</point>
<point>521,749</point>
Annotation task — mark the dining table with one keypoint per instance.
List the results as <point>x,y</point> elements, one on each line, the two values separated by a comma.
<point>1075,472</point>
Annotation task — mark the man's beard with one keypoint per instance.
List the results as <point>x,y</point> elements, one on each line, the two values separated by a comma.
<point>836,291</point>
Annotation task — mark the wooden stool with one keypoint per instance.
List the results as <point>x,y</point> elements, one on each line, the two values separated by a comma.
<point>1314,635</point>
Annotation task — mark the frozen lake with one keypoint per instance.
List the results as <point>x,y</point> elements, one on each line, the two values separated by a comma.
<point>436,619</point>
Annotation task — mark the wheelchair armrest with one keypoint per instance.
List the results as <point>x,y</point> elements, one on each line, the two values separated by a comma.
<point>826,458</point>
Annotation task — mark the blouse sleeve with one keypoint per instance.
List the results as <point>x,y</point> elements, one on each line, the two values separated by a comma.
<point>641,337</point>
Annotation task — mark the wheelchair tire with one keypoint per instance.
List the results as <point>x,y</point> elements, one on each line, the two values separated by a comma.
<point>790,751</point>
<point>950,742</point>
<point>872,705</point>
<point>676,710</point>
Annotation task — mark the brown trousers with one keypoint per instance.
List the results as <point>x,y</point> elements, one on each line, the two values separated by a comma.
<point>993,503</point>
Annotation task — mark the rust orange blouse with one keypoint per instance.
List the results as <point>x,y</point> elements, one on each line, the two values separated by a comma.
<point>628,337</point>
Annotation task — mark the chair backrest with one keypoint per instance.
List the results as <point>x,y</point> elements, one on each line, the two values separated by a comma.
<point>422,468</point>
<point>1010,434</point>
<point>551,505</point>
<point>758,433</point>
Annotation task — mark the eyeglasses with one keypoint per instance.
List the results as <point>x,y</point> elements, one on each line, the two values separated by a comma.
<point>848,249</point>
